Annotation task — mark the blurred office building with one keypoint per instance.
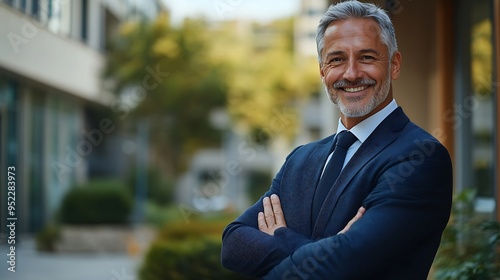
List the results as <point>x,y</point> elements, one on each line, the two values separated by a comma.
<point>318,116</point>
<point>55,117</point>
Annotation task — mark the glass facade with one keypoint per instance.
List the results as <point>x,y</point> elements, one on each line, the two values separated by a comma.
<point>475,102</point>
<point>37,129</point>
<point>55,14</point>
<point>41,127</point>
<point>9,138</point>
<point>35,166</point>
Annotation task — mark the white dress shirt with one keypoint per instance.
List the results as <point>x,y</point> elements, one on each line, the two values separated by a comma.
<point>363,130</point>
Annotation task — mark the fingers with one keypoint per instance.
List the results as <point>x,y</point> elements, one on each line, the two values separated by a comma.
<point>268,212</point>
<point>272,217</point>
<point>278,212</point>
<point>359,214</point>
<point>262,222</point>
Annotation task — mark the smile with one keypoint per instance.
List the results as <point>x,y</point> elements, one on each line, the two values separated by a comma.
<point>355,89</point>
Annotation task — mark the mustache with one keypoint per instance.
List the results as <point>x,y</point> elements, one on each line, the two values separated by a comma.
<point>356,83</point>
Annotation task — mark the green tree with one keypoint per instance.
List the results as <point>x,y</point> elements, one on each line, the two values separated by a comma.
<point>267,78</point>
<point>250,68</point>
<point>169,70</point>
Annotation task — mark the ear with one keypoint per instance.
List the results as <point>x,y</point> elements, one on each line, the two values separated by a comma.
<point>396,65</point>
<point>321,73</point>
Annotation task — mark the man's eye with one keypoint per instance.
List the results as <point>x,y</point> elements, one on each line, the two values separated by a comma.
<point>367,57</point>
<point>335,60</point>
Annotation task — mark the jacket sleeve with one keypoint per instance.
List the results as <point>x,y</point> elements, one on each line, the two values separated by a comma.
<point>409,204</point>
<point>247,250</point>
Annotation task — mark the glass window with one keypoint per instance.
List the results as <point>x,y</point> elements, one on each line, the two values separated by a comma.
<point>59,16</point>
<point>483,124</point>
<point>35,8</point>
<point>36,163</point>
<point>8,137</point>
<point>84,20</point>
<point>23,6</point>
<point>475,111</point>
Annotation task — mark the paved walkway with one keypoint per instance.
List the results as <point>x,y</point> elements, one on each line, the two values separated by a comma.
<point>33,265</point>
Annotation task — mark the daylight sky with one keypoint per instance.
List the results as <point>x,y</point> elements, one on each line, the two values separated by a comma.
<point>218,10</point>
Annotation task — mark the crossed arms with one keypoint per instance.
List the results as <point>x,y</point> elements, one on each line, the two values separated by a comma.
<point>403,220</point>
<point>272,218</point>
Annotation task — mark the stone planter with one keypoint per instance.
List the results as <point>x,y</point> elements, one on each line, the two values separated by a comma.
<point>103,239</point>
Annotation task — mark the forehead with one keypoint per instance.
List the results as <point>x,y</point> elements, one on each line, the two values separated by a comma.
<point>353,32</point>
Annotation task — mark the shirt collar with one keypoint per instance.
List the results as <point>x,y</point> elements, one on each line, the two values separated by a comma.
<point>363,129</point>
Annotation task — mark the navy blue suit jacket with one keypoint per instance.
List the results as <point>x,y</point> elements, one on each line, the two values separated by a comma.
<point>400,174</point>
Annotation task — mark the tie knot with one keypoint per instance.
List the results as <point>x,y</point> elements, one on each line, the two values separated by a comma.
<point>345,139</point>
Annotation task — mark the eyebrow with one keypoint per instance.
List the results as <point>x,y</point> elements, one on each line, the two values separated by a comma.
<point>334,53</point>
<point>361,51</point>
<point>369,51</point>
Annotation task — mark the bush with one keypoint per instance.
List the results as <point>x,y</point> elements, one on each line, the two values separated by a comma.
<point>187,250</point>
<point>98,202</point>
<point>196,259</point>
<point>469,248</point>
<point>47,238</point>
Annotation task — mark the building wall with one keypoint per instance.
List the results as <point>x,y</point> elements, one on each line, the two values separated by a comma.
<point>415,90</point>
<point>51,59</point>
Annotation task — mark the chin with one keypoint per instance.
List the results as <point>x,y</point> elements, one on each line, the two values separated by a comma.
<point>355,111</point>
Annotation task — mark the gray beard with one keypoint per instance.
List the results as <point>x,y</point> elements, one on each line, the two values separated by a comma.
<point>376,100</point>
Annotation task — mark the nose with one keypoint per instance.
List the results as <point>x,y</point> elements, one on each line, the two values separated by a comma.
<point>351,72</point>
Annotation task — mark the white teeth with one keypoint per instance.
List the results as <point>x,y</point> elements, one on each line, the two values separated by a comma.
<point>356,89</point>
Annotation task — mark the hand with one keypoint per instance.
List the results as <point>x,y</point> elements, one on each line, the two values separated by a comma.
<point>272,218</point>
<point>359,214</point>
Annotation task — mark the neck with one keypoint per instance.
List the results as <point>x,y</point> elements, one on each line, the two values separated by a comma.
<point>350,122</point>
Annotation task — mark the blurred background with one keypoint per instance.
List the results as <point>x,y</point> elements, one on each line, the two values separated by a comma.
<point>139,129</point>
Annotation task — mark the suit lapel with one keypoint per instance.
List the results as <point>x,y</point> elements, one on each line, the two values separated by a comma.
<point>317,158</point>
<point>381,137</point>
<point>310,173</point>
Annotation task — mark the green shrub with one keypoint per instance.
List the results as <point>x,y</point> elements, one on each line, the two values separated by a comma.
<point>188,250</point>
<point>98,202</point>
<point>469,248</point>
<point>193,259</point>
<point>47,237</point>
<point>192,230</point>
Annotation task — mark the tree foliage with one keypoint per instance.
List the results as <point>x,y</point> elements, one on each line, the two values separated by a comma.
<point>183,73</point>
<point>169,70</point>
<point>267,78</point>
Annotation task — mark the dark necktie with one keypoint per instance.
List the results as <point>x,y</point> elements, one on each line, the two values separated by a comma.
<point>344,140</point>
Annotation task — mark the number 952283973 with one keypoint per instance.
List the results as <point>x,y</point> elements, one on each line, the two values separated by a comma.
<point>11,188</point>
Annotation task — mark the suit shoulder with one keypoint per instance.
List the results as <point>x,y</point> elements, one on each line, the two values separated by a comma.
<point>415,136</point>
<point>311,146</point>
<point>412,130</point>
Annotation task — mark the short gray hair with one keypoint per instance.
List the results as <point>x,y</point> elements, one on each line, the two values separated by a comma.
<point>354,9</point>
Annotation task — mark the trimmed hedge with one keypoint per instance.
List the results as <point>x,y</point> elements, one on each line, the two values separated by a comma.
<point>98,202</point>
<point>195,259</point>
<point>187,250</point>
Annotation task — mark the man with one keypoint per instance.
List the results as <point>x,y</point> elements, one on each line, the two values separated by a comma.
<point>397,172</point>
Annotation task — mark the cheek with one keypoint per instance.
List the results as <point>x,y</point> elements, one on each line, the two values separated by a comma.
<point>330,76</point>
<point>378,72</point>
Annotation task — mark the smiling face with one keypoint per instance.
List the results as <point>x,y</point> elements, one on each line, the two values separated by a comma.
<point>356,68</point>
